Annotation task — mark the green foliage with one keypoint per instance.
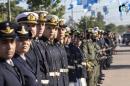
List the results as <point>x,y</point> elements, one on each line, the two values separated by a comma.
<point>15,10</point>
<point>46,5</point>
<point>100,21</point>
<point>91,22</point>
<point>110,27</point>
<point>82,24</point>
<point>59,11</point>
<point>121,28</point>
<point>38,4</point>
<point>118,29</point>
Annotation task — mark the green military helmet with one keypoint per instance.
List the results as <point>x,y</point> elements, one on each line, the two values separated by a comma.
<point>77,32</point>
<point>62,23</point>
<point>90,30</point>
<point>52,20</point>
<point>42,16</point>
<point>68,31</point>
<point>7,30</point>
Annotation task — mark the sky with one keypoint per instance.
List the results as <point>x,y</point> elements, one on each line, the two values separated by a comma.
<point>112,17</point>
<point>78,11</point>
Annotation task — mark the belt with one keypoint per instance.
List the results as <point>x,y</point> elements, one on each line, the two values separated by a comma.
<point>61,70</point>
<point>71,67</point>
<point>79,66</point>
<point>57,73</point>
<point>44,82</point>
<point>83,63</point>
<point>51,73</point>
<point>64,70</point>
<point>54,73</point>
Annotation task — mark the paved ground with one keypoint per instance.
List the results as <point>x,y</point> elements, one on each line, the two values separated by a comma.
<point>119,73</point>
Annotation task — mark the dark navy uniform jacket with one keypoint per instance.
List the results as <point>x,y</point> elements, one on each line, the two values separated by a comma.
<point>64,63</point>
<point>54,63</point>
<point>71,62</point>
<point>43,60</point>
<point>9,77</point>
<point>29,75</point>
<point>81,71</point>
<point>33,58</point>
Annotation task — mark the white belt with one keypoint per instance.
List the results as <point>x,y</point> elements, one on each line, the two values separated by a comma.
<point>71,67</point>
<point>57,73</point>
<point>83,63</point>
<point>80,66</point>
<point>66,70</point>
<point>51,73</point>
<point>45,82</point>
<point>63,70</point>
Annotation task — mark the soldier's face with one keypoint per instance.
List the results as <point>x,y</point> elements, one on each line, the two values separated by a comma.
<point>65,39</point>
<point>33,29</point>
<point>23,45</point>
<point>56,33</point>
<point>61,33</point>
<point>40,29</point>
<point>68,40</point>
<point>78,42</point>
<point>7,48</point>
<point>50,31</point>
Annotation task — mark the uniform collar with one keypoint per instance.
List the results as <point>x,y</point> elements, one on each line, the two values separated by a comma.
<point>10,62</point>
<point>23,57</point>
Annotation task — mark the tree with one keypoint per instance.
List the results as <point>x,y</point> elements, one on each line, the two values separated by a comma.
<point>2,11</point>
<point>48,6</point>
<point>121,28</point>
<point>82,24</point>
<point>100,21</point>
<point>59,11</point>
<point>110,27</point>
<point>91,22</point>
<point>15,10</point>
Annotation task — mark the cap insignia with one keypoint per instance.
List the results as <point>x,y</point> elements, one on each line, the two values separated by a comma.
<point>7,30</point>
<point>31,17</point>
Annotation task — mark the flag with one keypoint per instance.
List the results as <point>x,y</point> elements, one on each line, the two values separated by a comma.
<point>79,2</point>
<point>93,1</point>
<point>70,7</point>
<point>105,10</point>
<point>128,6</point>
<point>89,8</point>
<point>87,3</point>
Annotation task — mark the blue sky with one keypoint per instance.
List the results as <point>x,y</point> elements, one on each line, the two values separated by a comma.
<point>112,17</point>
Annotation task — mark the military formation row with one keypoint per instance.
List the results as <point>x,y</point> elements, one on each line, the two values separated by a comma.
<point>40,50</point>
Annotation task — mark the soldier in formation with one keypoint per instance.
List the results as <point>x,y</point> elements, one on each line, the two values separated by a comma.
<point>41,50</point>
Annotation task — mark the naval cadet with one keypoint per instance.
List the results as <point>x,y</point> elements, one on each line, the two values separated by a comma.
<point>41,46</point>
<point>81,71</point>
<point>70,48</point>
<point>22,47</point>
<point>62,52</point>
<point>52,56</point>
<point>29,19</point>
<point>10,75</point>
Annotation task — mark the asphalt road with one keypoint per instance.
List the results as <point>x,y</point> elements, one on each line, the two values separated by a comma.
<point>119,73</point>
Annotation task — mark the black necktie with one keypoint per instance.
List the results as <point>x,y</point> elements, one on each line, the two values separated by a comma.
<point>18,74</point>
